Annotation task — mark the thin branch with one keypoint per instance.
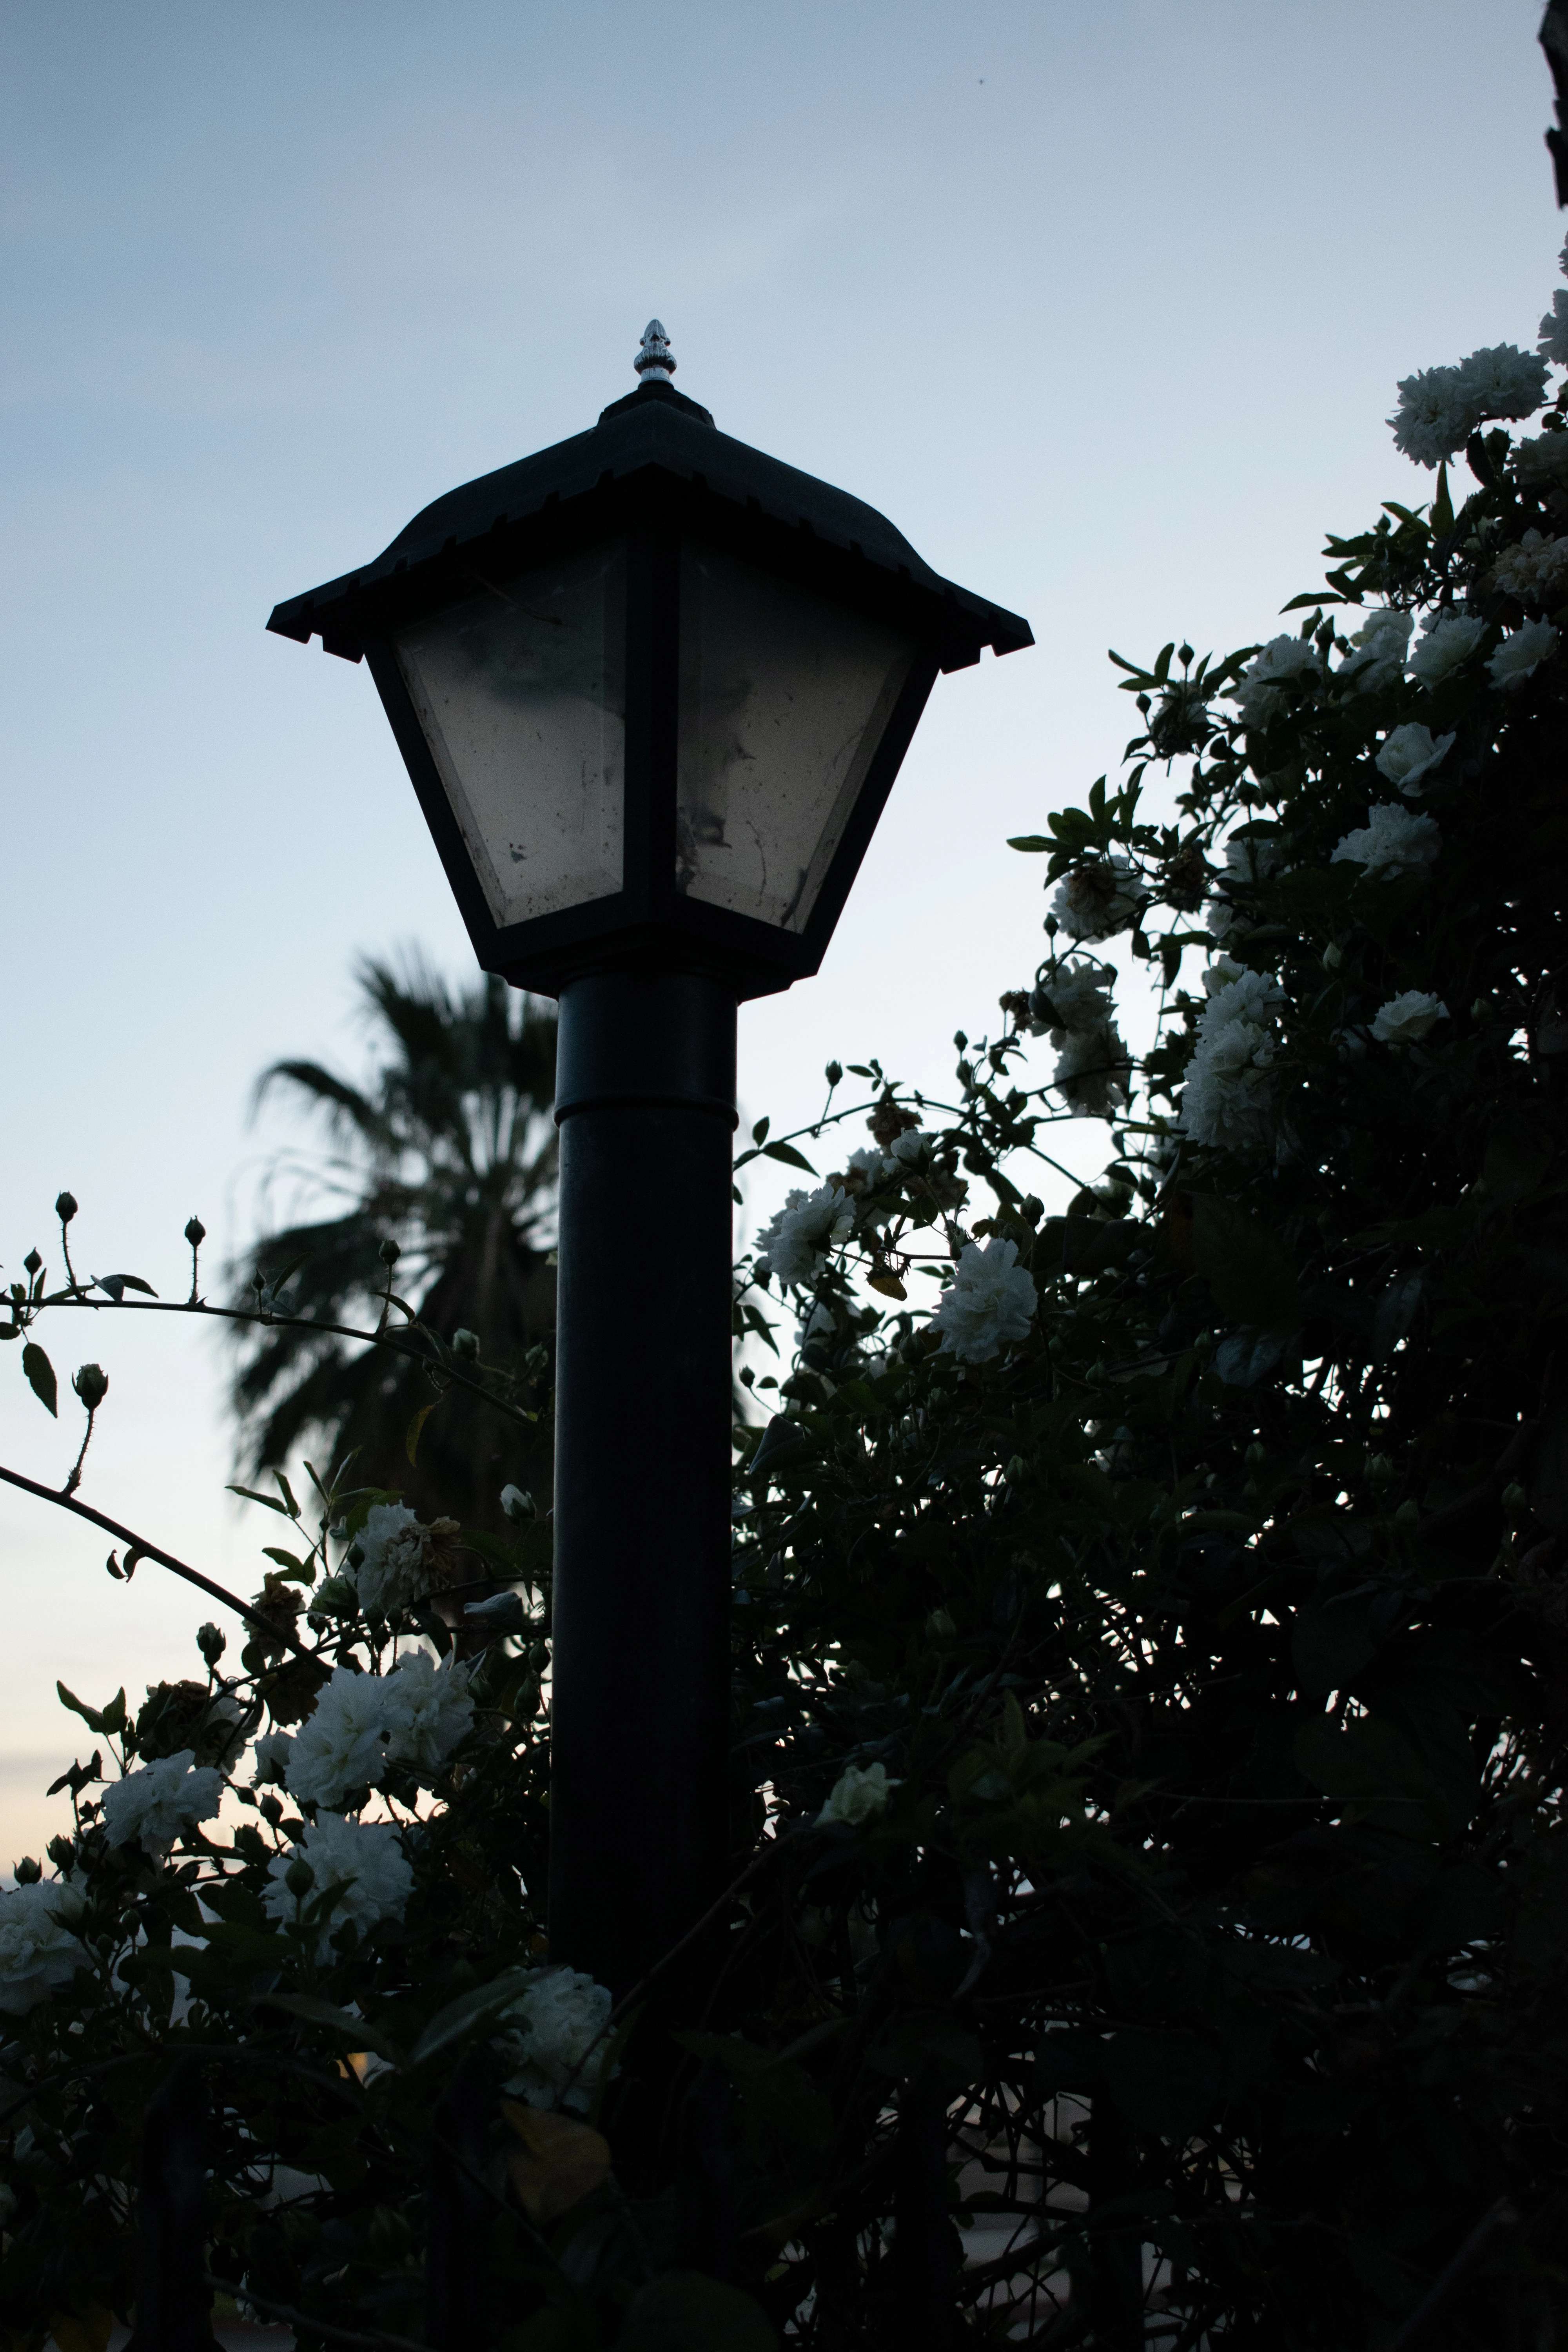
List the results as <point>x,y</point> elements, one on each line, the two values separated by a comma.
<point>146,1550</point>
<point>376,2341</point>
<point>431,1362</point>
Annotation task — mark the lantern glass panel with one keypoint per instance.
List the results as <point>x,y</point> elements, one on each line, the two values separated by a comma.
<point>784,698</point>
<point>520,692</point>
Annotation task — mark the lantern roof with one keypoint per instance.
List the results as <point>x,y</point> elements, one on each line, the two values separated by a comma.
<point>653,437</point>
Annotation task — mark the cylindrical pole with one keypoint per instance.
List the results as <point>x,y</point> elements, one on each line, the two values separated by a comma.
<point>639,1718</point>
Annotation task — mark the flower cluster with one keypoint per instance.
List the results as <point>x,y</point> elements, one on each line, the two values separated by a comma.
<point>1093,1066</point>
<point>1229,1097</point>
<point>362,1724</point>
<point>1440,407</point>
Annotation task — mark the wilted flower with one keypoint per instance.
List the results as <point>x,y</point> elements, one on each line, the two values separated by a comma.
<point>1404,1020</point>
<point>1259,693</point>
<point>1521,654</point>
<point>1394,841</point>
<point>1445,646</point>
<point>155,1804</point>
<point>37,1949</point>
<point>549,2037</point>
<point>1228,1101</point>
<point>1378,649</point>
<point>858,1796</point>
<point>796,1245</point>
<point>364,1858</point>
<point>1411,754</point>
<point>1096,901</point>
<point>989,1305</point>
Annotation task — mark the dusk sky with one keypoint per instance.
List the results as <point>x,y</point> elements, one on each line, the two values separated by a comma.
<point>1104,306</point>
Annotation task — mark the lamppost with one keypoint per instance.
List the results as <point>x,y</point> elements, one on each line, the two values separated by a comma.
<point>652,688</point>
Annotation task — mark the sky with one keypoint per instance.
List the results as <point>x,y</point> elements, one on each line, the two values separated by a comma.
<point>1104,306</point>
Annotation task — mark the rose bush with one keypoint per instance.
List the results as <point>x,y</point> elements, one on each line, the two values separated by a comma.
<point>1149,1905</point>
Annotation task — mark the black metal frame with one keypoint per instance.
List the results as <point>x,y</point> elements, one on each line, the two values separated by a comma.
<point>657,497</point>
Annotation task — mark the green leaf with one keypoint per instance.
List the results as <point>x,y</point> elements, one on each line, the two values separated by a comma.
<point>269,1501</point>
<point>1251,1277</point>
<point>1329,1646</point>
<point>298,1570</point>
<point>323,2012</point>
<point>789,1155</point>
<point>415,1426</point>
<point>1032,842</point>
<point>467,2010</point>
<point>687,2311</point>
<point>41,1376</point>
<point>760,1132</point>
<point>1442,505</point>
<point>117,1285</point>
<point>284,1488</point>
<point>91,1716</point>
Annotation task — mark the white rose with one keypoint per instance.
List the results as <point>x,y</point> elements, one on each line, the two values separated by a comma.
<point>989,1305</point>
<point>1404,1020</point>
<point>391,1570</point>
<point>1097,901</point>
<point>796,1245</point>
<point>1394,841</point>
<point>1521,655</point>
<point>365,1859</point>
<point>858,1796</point>
<point>341,1747</point>
<point>428,1710</point>
<point>37,1949</point>
<point>1411,754</point>
<point>552,2038</point>
<point>1445,645</point>
<point>155,1804</point>
<point>1259,693</point>
<point>1378,650</point>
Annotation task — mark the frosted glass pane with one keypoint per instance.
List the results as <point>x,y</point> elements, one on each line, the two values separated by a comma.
<point>521,696</point>
<point>784,700</point>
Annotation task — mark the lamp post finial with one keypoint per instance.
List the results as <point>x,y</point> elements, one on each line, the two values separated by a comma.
<point>655,362</point>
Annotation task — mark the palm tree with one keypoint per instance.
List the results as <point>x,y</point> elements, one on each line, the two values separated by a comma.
<point>451,1153</point>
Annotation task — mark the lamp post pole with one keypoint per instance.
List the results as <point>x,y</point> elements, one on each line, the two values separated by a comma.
<point>652,688</point>
<point>640,1732</point>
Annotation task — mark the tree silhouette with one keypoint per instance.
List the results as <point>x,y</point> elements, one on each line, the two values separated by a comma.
<point>449,1152</point>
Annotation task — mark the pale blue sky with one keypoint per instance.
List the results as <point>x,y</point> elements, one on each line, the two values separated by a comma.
<point>1104,304</point>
